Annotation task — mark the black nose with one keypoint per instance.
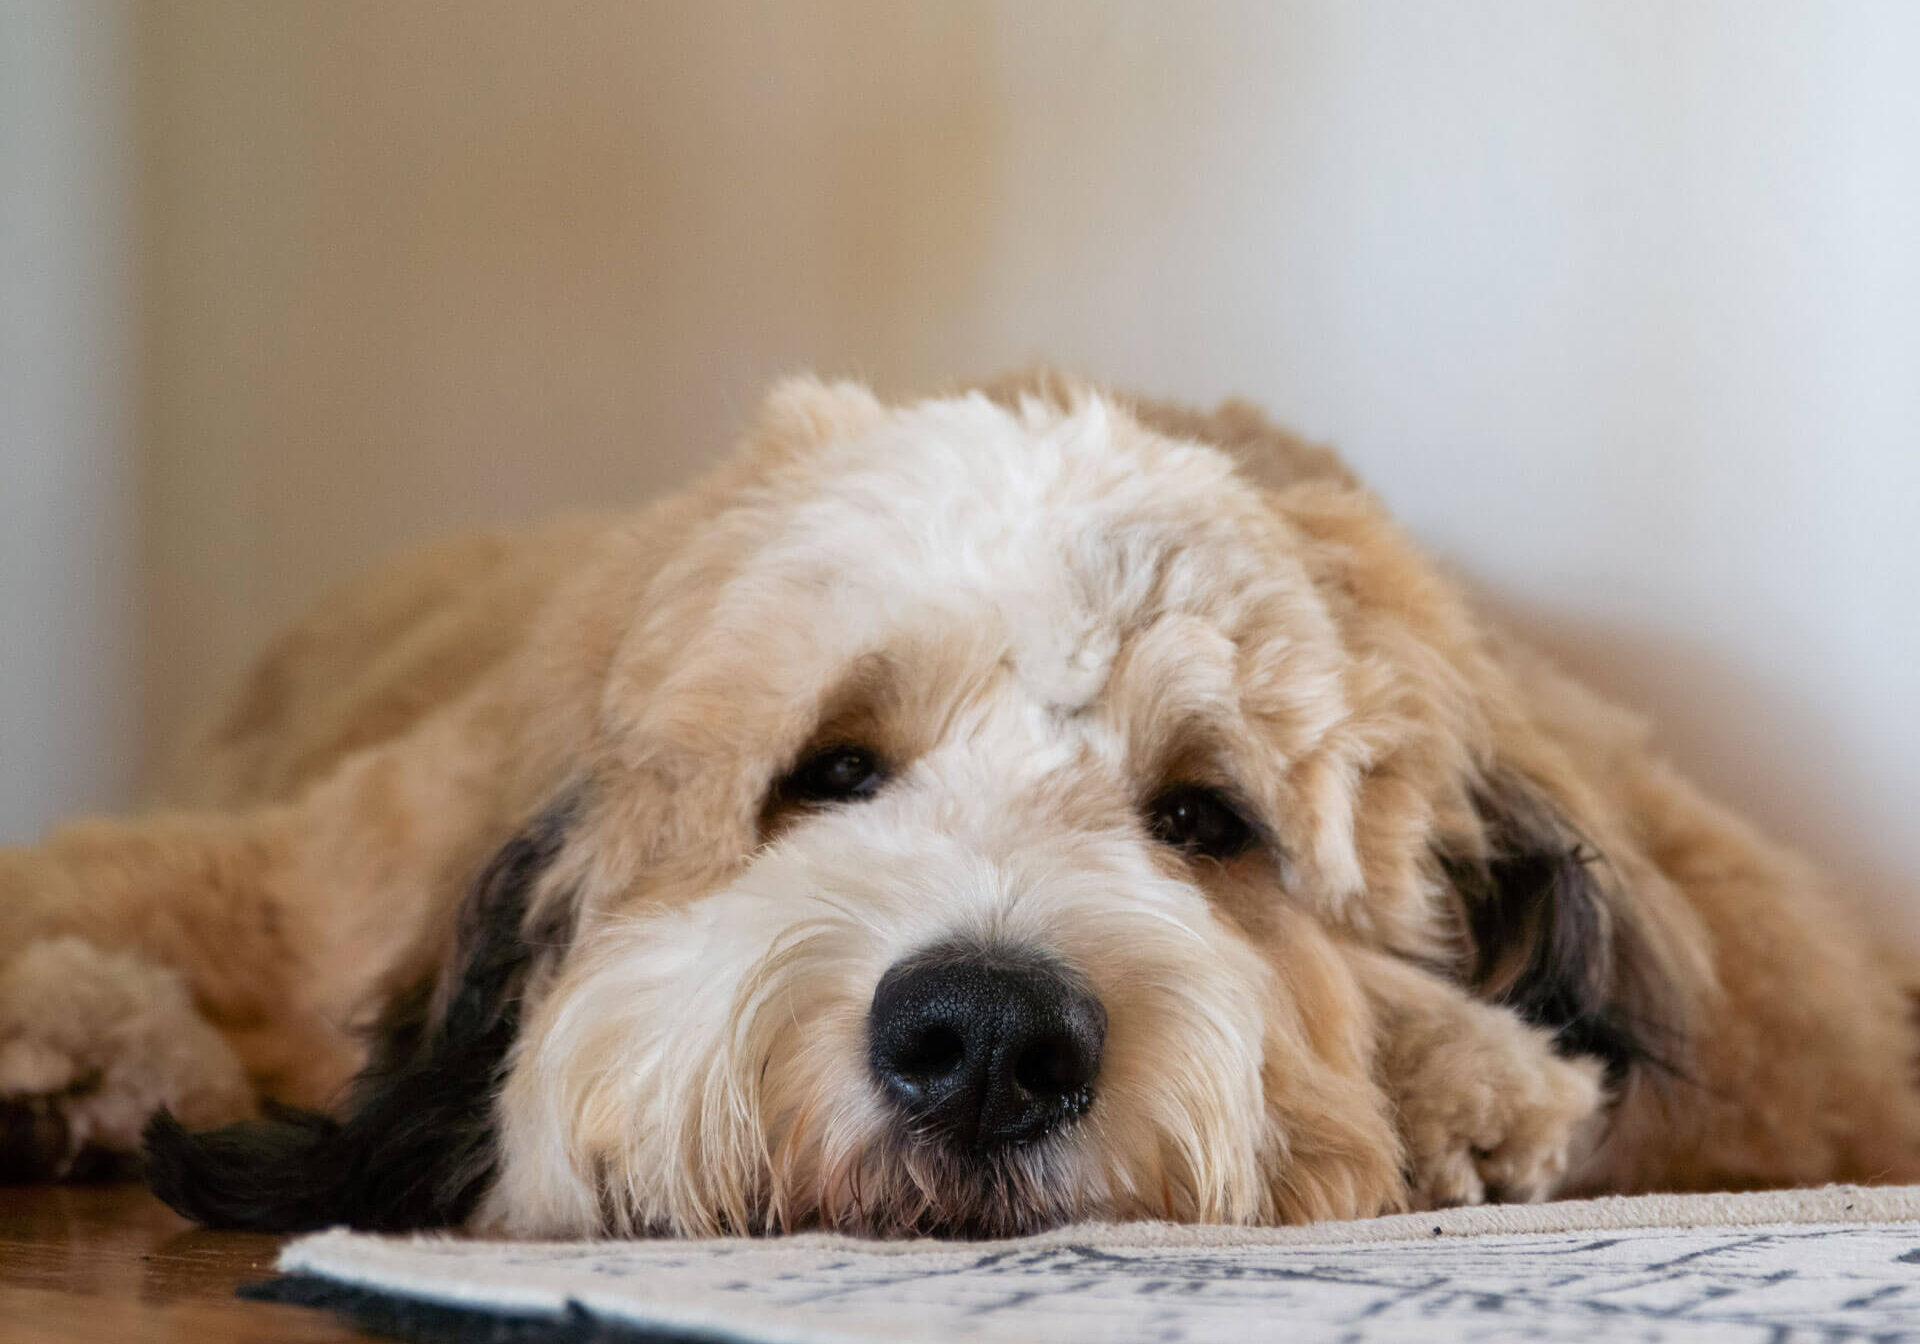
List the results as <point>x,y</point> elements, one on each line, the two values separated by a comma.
<point>985,1050</point>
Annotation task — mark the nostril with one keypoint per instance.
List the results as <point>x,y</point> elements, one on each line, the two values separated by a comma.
<point>1051,1066</point>
<point>933,1052</point>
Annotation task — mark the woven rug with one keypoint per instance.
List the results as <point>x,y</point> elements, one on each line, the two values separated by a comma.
<point>1837,1263</point>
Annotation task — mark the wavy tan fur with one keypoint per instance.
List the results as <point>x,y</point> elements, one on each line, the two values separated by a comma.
<point>1040,603</point>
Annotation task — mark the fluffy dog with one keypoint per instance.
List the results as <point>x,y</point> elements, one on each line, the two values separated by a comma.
<point>961,817</point>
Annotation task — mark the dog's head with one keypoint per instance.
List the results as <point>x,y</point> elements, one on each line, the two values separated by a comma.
<point>986,792</point>
<point>982,802</point>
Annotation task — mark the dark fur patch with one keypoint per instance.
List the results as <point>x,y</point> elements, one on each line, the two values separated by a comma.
<point>1545,942</point>
<point>417,1146</point>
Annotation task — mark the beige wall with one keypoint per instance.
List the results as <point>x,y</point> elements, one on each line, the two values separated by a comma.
<point>1617,303</point>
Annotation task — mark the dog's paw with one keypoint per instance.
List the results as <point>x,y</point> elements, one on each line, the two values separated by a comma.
<point>1494,1115</point>
<point>91,1044</point>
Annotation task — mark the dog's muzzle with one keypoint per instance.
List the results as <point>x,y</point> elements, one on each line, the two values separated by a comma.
<point>982,1049</point>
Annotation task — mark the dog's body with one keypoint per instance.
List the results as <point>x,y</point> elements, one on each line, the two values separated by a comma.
<point>962,817</point>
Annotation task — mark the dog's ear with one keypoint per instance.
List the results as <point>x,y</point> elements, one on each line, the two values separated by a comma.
<point>1548,934</point>
<point>417,1147</point>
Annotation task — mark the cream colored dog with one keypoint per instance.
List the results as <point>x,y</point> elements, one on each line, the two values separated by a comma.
<point>959,817</point>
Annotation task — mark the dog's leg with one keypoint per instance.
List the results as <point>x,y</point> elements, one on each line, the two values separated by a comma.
<point>147,963</point>
<point>91,1043</point>
<point>255,941</point>
<point>1486,1108</point>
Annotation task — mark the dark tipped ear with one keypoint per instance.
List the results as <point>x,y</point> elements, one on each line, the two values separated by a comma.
<point>417,1147</point>
<point>1547,936</point>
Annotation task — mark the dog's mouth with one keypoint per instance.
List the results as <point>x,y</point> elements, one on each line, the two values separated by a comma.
<point>921,1187</point>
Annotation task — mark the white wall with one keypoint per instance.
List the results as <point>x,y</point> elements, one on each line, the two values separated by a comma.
<point>68,727</point>
<point>1618,303</point>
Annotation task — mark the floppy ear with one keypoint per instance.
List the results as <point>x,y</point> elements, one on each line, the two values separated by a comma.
<point>417,1148</point>
<point>1550,936</point>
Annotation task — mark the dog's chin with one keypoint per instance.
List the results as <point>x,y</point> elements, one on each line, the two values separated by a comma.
<point>920,1187</point>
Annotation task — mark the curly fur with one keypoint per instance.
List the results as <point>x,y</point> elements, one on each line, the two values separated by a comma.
<point>1486,944</point>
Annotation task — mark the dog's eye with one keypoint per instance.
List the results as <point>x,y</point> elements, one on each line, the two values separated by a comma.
<point>834,775</point>
<point>1200,821</point>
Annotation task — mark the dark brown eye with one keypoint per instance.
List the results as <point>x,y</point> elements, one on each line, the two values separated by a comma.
<point>834,775</point>
<point>1199,821</point>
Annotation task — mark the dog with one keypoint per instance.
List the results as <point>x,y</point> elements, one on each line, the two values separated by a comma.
<point>957,817</point>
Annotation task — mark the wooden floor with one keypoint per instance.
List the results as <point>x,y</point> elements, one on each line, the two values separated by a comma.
<point>109,1263</point>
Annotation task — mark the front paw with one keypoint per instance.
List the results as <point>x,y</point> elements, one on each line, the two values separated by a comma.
<point>91,1044</point>
<point>1495,1115</point>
